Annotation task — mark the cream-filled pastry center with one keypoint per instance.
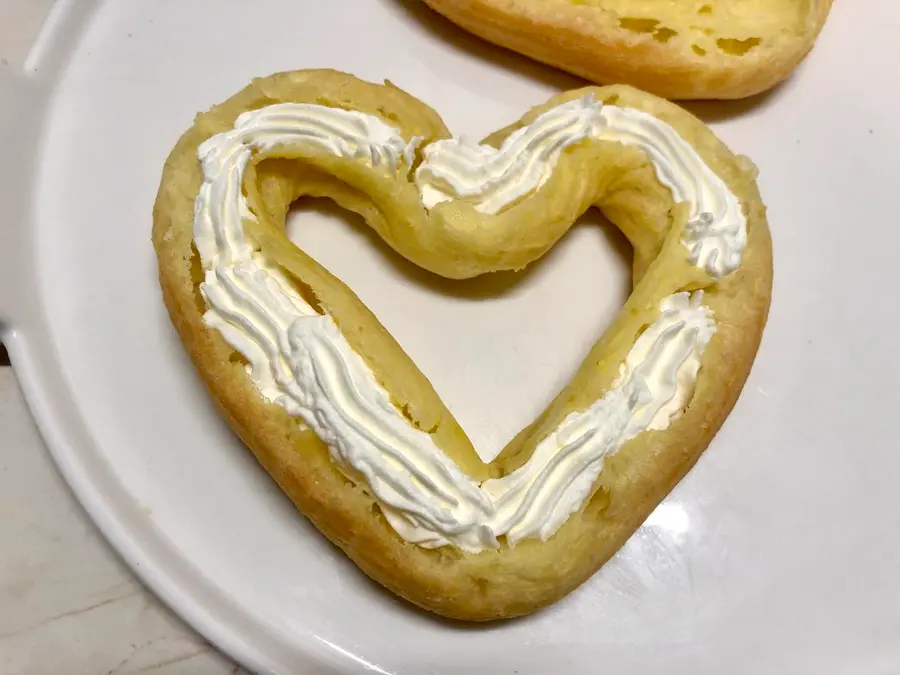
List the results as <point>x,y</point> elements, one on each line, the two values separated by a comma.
<point>299,360</point>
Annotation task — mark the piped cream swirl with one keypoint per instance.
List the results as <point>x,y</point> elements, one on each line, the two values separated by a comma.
<point>655,384</point>
<point>457,168</point>
<point>493,178</point>
<point>299,360</point>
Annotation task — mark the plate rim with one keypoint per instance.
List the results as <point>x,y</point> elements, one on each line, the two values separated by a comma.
<point>25,329</point>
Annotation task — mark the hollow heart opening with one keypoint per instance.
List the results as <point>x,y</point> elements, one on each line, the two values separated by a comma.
<point>498,347</point>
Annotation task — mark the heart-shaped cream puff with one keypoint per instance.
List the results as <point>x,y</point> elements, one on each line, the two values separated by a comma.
<point>342,419</point>
<point>680,49</point>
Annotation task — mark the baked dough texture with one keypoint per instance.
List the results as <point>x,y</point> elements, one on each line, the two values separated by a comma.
<point>680,49</point>
<point>456,241</point>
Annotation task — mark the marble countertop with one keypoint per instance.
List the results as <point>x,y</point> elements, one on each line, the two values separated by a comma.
<point>67,603</point>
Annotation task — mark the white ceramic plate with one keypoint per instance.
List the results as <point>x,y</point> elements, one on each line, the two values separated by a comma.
<point>778,553</point>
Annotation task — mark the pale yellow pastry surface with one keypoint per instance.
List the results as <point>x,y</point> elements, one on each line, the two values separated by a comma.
<point>456,241</point>
<point>678,49</point>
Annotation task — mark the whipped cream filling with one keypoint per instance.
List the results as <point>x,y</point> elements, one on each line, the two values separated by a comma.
<point>493,178</point>
<point>298,359</point>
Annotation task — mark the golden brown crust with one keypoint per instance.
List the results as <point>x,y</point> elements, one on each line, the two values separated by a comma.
<point>687,49</point>
<point>507,582</point>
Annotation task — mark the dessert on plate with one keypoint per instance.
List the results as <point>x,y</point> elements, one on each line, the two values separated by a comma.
<point>682,49</point>
<point>339,415</point>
